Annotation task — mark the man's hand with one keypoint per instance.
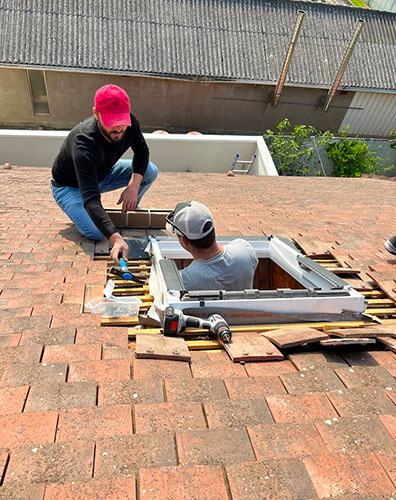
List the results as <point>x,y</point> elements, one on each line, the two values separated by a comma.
<point>120,248</point>
<point>129,198</point>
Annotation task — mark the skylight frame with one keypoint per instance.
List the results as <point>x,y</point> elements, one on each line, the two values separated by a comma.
<point>325,296</point>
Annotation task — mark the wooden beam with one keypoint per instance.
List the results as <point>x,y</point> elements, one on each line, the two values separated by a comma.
<point>386,311</point>
<point>373,293</point>
<point>120,321</point>
<point>199,345</point>
<point>380,302</point>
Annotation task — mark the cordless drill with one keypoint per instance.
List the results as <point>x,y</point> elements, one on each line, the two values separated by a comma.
<point>175,321</point>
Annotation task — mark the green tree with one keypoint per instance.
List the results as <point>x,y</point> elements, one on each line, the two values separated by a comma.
<point>293,149</point>
<point>393,140</point>
<point>352,157</point>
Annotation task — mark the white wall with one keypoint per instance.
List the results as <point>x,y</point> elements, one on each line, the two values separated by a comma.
<point>374,114</point>
<point>387,5</point>
<point>172,153</point>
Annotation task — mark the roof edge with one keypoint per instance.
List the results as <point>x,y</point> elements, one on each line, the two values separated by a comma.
<point>190,78</point>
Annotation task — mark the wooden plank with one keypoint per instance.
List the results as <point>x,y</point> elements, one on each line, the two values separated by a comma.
<point>370,332</point>
<point>387,311</point>
<point>380,302</point>
<point>290,337</point>
<point>251,347</point>
<point>327,263</point>
<point>343,270</point>
<point>135,265</point>
<point>131,286</point>
<point>262,275</point>
<point>134,269</point>
<point>199,345</point>
<point>143,273</point>
<point>127,321</point>
<point>279,278</point>
<point>348,341</point>
<point>161,347</point>
<point>374,293</point>
<point>122,291</point>
<point>195,345</point>
<point>146,306</point>
<point>389,342</point>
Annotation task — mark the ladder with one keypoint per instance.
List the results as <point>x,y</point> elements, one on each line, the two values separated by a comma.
<point>245,164</point>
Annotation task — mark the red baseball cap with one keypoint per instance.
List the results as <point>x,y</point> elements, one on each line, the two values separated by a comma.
<point>112,102</point>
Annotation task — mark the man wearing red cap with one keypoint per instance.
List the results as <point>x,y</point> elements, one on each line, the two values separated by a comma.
<point>89,164</point>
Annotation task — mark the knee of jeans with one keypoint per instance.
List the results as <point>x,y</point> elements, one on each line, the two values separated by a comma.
<point>151,172</point>
<point>93,234</point>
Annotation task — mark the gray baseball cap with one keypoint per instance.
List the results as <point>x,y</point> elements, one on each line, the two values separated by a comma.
<point>189,219</point>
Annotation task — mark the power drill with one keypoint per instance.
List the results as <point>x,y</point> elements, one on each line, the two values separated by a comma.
<point>175,321</point>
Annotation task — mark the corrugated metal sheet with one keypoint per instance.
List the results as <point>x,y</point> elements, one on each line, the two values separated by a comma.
<point>376,114</point>
<point>388,5</point>
<point>221,39</point>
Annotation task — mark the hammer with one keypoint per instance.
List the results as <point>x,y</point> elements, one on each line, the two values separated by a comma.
<point>125,274</point>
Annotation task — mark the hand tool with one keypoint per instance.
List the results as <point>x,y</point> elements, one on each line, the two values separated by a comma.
<point>125,274</point>
<point>175,321</point>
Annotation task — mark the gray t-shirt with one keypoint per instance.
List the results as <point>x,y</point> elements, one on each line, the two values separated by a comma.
<point>233,269</point>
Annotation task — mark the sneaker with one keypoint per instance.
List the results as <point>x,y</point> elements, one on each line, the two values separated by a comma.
<point>390,245</point>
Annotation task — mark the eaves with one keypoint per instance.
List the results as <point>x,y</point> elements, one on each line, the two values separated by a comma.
<point>190,78</point>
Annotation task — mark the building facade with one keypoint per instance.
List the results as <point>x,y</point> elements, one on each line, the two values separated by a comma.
<point>212,68</point>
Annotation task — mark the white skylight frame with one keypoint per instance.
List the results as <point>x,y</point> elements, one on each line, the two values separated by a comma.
<point>325,296</point>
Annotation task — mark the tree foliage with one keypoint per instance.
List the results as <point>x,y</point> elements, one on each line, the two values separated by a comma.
<point>352,157</point>
<point>293,149</point>
<point>393,140</point>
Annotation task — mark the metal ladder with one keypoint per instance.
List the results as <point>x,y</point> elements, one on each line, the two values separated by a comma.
<point>244,171</point>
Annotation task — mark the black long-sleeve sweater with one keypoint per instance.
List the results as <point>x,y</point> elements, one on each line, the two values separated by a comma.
<point>86,158</point>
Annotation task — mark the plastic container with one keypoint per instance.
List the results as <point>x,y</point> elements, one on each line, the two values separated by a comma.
<point>117,307</point>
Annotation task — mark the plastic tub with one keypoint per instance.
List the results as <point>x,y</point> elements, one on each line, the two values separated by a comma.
<point>117,307</point>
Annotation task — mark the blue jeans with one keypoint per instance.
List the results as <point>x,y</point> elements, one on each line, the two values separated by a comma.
<point>70,201</point>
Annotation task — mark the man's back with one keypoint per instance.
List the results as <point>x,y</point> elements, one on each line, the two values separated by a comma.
<point>233,269</point>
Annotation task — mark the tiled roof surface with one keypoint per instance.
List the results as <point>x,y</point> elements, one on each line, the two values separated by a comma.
<point>221,39</point>
<point>80,417</point>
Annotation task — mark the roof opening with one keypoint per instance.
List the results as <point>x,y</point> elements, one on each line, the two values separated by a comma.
<point>288,287</point>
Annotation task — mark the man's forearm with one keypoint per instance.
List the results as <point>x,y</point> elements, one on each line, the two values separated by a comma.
<point>135,181</point>
<point>114,237</point>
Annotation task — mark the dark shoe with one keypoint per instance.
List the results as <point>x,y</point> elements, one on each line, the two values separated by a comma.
<point>390,245</point>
